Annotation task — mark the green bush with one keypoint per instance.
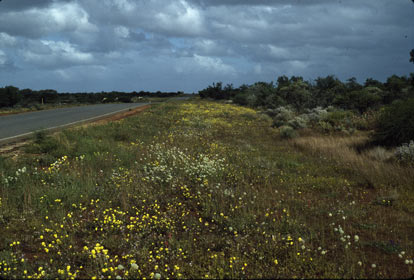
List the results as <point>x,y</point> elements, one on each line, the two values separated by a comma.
<point>287,132</point>
<point>283,115</point>
<point>245,99</point>
<point>395,124</point>
<point>42,143</point>
<point>298,122</point>
<point>325,126</point>
<point>339,118</point>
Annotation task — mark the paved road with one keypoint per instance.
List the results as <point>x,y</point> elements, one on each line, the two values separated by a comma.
<point>20,125</point>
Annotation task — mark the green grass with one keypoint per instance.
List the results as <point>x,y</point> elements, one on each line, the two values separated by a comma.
<point>194,190</point>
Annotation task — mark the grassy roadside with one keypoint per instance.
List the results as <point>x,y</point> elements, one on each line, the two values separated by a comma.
<point>197,190</point>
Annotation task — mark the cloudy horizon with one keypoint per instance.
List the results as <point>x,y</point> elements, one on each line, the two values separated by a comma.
<point>183,45</point>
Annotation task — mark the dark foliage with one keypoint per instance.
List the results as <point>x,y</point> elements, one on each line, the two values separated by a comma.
<point>11,96</point>
<point>323,92</point>
<point>396,124</point>
<point>216,91</point>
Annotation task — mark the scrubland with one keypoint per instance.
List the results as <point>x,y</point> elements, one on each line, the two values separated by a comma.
<point>200,189</point>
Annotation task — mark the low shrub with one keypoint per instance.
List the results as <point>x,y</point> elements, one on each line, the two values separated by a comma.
<point>245,99</point>
<point>405,153</point>
<point>283,115</point>
<point>365,121</point>
<point>287,132</point>
<point>316,114</point>
<point>325,126</point>
<point>339,118</point>
<point>333,120</point>
<point>42,143</point>
<point>298,122</point>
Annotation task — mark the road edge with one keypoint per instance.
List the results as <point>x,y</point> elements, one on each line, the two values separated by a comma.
<point>8,140</point>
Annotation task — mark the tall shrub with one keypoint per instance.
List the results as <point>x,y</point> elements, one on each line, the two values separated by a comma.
<point>395,124</point>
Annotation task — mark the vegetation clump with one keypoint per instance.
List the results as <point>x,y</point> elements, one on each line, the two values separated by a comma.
<point>282,115</point>
<point>287,132</point>
<point>13,97</point>
<point>395,124</point>
<point>405,153</point>
<point>348,106</point>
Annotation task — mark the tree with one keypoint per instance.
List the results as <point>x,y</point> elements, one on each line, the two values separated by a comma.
<point>352,84</point>
<point>326,89</point>
<point>216,91</point>
<point>4,99</point>
<point>261,92</point>
<point>395,125</point>
<point>360,100</point>
<point>9,96</point>
<point>396,88</point>
<point>297,93</point>
<point>370,82</point>
<point>282,81</point>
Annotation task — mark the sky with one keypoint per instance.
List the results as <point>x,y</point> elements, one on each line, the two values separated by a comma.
<point>186,45</point>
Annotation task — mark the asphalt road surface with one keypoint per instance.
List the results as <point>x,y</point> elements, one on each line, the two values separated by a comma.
<point>20,125</point>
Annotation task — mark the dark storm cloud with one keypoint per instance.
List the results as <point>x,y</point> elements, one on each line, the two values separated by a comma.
<point>16,5</point>
<point>6,64</point>
<point>186,45</point>
<point>261,2</point>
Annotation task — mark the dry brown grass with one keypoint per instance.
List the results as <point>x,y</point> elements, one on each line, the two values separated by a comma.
<point>118,116</point>
<point>374,165</point>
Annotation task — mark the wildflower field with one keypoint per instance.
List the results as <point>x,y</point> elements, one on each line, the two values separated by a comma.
<point>196,189</point>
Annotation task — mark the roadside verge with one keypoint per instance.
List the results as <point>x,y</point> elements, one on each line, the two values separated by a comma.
<point>113,116</point>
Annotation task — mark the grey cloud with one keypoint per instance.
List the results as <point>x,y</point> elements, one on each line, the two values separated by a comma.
<point>185,45</point>
<point>42,21</point>
<point>6,40</point>
<point>172,18</point>
<point>55,55</point>
<point>17,5</point>
<point>6,63</point>
<point>261,2</point>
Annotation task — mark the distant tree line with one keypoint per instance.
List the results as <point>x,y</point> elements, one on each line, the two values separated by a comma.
<point>392,102</point>
<point>11,96</point>
<point>323,92</point>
